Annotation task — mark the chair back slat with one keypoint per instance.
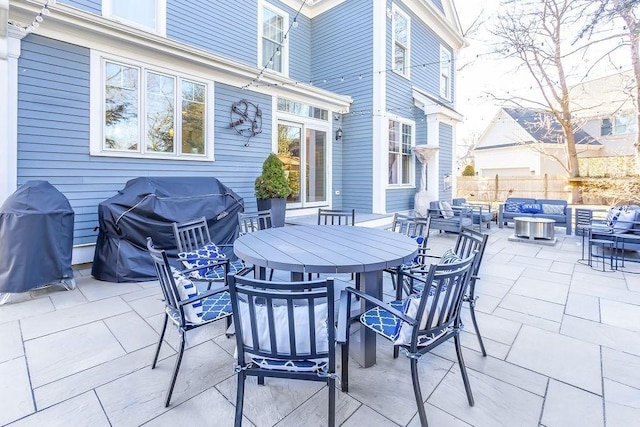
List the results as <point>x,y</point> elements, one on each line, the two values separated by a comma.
<point>165,276</point>
<point>191,235</point>
<point>411,226</point>
<point>269,301</point>
<point>336,217</point>
<point>254,221</point>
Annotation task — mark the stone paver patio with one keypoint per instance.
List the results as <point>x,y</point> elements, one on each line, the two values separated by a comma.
<point>563,342</point>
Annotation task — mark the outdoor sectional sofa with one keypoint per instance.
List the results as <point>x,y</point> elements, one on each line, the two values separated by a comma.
<point>540,208</point>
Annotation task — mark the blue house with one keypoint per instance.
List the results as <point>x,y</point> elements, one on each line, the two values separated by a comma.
<point>102,91</point>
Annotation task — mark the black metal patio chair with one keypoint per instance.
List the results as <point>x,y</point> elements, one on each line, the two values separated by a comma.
<point>336,217</point>
<point>186,306</point>
<point>418,324</point>
<point>255,221</point>
<point>468,241</point>
<point>417,228</point>
<point>284,330</point>
<point>200,255</point>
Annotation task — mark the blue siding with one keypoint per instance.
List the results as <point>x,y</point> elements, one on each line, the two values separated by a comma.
<point>53,136</point>
<point>236,38</point>
<point>92,6</point>
<point>425,60</point>
<point>446,158</point>
<point>341,46</point>
<point>207,25</point>
<point>438,4</point>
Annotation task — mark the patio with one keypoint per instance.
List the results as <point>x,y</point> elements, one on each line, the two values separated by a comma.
<point>563,341</point>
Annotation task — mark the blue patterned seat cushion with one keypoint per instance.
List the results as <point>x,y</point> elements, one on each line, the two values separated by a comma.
<point>391,327</point>
<point>203,257</point>
<point>207,309</point>
<point>304,365</point>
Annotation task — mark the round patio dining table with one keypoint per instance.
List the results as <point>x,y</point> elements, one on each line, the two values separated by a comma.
<point>330,249</point>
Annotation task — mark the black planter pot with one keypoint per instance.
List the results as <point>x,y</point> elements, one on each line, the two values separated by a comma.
<point>278,208</point>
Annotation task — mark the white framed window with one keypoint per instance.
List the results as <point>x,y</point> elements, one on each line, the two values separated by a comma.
<point>146,14</point>
<point>142,111</point>
<point>401,49</point>
<point>445,73</point>
<point>619,125</point>
<point>401,164</point>
<point>273,51</point>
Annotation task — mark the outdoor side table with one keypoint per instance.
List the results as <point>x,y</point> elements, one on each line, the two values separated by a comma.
<point>604,244</point>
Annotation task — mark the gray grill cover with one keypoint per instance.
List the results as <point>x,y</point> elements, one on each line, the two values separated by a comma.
<point>36,231</point>
<point>147,207</point>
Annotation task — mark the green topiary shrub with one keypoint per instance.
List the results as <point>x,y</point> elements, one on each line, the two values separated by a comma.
<point>469,170</point>
<point>272,184</point>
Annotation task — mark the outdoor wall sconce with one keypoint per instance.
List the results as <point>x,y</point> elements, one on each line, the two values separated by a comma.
<point>339,134</point>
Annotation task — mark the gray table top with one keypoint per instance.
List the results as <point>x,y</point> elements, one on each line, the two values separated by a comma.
<point>325,249</point>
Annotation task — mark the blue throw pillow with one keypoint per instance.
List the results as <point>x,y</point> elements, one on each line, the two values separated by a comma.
<point>531,208</point>
<point>511,206</point>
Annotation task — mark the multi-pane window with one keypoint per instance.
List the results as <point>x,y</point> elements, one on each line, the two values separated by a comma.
<point>445,73</point>
<point>618,125</point>
<point>149,14</point>
<point>400,159</point>
<point>148,112</point>
<point>401,42</point>
<point>273,48</point>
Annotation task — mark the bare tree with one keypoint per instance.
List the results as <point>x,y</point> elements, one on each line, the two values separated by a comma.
<point>533,33</point>
<point>627,10</point>
<point>465,149</point>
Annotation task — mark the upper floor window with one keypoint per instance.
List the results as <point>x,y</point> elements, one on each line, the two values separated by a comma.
<point>400,159</point>
<point>618,125</point>
<point>445,73</point>
<point>147,112</point>
<point>401,42</point>
<point>147,14</point>
<point>272,46</point>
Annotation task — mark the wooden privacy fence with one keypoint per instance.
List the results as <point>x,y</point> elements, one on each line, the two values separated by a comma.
<point>498,188</point>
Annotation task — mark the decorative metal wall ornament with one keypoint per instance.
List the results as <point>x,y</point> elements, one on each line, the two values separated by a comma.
<point>246,119</point>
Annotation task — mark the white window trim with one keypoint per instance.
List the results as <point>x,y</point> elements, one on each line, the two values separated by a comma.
<point>412,174</point>
<point>407,73</point>
<point>96,103</point>
<point>449,89</point>
<point>161,17</point>
<point>284,51</point>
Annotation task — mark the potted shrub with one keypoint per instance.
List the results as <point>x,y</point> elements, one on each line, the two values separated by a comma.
<point>272,189</point>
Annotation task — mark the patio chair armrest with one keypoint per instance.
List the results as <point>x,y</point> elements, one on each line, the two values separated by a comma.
<point>375,301</point>
<point>218,262</point>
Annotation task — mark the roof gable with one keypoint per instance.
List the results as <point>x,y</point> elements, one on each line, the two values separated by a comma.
<point>544,128</point>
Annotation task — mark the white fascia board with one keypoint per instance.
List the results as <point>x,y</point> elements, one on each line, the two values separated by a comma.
<point>447,30</point>
<point>315,8</point>
<point>85,29</point>
<point>431,107</point>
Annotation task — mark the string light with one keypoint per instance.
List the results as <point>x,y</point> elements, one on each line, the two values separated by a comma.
<point>37,20</point>
<point>343,78</point>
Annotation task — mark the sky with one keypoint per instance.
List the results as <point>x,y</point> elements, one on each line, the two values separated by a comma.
<point>482,73</point>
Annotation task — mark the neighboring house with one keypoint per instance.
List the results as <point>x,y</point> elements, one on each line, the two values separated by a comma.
<point>606,109</point>
<point>526,142</point>
<point>106,91</point>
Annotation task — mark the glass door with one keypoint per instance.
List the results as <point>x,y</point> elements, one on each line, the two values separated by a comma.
<point>305,164</point>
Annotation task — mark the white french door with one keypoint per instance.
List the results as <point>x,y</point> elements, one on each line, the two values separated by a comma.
<point>303,150</point>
